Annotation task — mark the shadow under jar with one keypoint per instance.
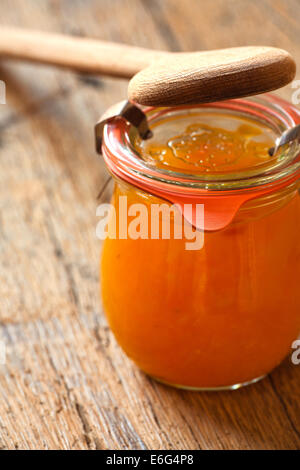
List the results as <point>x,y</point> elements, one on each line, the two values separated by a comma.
<point>224,314</point>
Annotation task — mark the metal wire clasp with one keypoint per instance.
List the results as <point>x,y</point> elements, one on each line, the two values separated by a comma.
<point>287,137</point>
<point>131,113</point>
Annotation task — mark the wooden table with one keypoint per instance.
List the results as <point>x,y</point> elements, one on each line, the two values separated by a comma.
<point>66,384</point>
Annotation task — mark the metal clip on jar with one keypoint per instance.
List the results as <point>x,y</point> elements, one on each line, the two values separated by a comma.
<point>226,314</point>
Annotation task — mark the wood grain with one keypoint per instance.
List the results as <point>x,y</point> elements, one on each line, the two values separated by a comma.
<point>66,384</point>
<point>208,76</point>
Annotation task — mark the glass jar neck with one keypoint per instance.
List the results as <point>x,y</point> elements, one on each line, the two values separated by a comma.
<point>121,153</point>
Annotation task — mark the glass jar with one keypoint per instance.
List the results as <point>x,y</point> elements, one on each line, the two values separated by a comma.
<point>224,314</point>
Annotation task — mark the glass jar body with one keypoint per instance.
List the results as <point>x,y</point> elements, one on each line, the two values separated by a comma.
<point>217,317</point>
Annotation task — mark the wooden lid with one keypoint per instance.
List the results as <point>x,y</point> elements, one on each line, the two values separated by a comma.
<point>203,77</point>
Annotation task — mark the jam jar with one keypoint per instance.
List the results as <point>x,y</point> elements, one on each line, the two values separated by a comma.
<point>219,306</point>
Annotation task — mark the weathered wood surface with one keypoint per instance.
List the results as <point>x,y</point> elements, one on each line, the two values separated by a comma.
<point>66,384</point>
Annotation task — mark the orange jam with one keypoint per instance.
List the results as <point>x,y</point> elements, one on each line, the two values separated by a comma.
<point>223,315</point>
<point>202,148</point>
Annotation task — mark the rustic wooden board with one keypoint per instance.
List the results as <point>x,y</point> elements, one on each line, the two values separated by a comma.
<point>66,384</point>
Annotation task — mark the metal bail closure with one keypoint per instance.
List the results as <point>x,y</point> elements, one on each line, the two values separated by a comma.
<point>289,136</point>
<point>128,111</point>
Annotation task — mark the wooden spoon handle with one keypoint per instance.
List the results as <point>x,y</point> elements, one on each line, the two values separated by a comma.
<point>76,53</point>
<point>164,78</point>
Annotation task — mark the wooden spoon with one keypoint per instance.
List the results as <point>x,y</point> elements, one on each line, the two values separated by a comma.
<point>164,78</point>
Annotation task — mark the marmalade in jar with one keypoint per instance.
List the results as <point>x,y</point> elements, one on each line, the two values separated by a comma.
<point>226,314</point>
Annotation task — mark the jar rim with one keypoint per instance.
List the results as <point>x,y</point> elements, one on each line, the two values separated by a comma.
<point>123,159</point>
